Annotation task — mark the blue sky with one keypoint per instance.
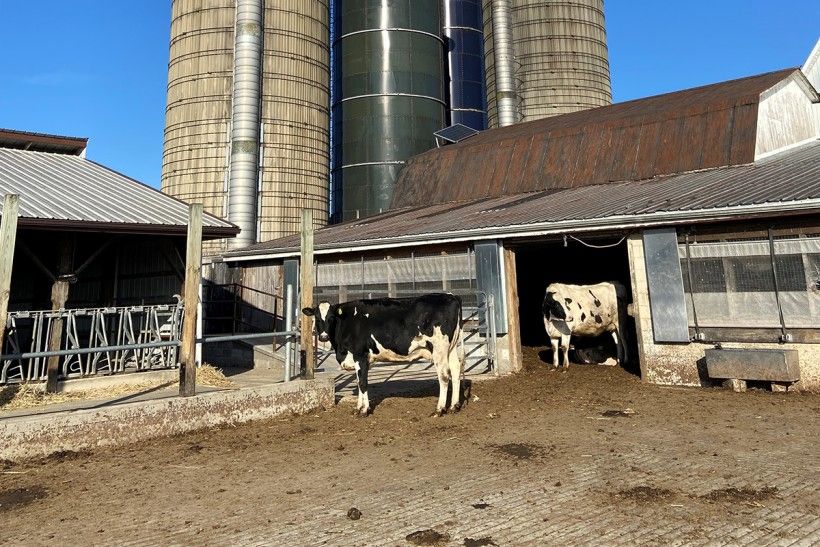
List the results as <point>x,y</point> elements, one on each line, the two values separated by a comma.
<point>98,68</point>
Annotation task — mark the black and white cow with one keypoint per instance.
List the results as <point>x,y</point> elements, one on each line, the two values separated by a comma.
<point>584,310</point>
<point>396,330</point>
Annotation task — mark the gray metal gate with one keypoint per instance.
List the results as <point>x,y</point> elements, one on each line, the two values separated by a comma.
<point>479,331</point>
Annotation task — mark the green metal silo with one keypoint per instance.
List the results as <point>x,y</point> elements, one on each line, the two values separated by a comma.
<point>388,97</point>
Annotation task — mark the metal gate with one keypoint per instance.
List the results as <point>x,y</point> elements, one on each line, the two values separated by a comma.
<point>478,330</point>
<point>92,341</point>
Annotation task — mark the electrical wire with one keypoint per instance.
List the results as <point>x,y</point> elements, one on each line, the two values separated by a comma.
<point>592,246</point>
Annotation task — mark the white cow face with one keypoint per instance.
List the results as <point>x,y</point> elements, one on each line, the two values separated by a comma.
<point>323,319</point>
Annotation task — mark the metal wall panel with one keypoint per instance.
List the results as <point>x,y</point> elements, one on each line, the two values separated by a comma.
<point>388,94</point>
<point>667,300</point>
<point>490,279</point>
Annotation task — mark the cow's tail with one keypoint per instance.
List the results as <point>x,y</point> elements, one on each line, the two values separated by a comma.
<point>459,338</point>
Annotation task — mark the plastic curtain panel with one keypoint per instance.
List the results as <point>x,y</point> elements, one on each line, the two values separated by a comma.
<point>733,286</point>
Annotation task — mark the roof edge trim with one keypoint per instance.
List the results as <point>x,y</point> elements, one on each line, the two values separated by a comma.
<point>619,222</point>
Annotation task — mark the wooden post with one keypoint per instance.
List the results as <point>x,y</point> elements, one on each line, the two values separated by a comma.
<point>193,278</point>
<point>59,296</point>
<point>306,282</point>
<point>8,236</point>
<point>513,320</point>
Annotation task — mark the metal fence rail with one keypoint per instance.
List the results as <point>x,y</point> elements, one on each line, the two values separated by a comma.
<point>115,340</point>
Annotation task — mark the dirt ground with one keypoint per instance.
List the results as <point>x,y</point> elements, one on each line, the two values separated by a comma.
<point>588,456</point>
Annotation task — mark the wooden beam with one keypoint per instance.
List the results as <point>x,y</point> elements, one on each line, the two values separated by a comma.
<point>193,278</point>
<point>59,297</point>
<point>306,282</point>
<point>513,319</point>
<point>8,237</point>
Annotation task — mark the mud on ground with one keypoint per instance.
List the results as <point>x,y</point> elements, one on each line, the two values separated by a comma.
<point>543,457</point>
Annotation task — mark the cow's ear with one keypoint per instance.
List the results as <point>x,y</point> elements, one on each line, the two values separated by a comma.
<point>308,311</point>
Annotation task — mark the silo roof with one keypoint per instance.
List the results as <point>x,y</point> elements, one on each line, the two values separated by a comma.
<point>60,191</point>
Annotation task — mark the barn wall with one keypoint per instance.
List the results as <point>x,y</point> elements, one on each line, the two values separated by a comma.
<point>786,116</point>
<point>684,364</point>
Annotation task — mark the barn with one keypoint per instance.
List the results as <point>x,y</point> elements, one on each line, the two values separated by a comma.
<point>705,203</point>
<point>98,258</point>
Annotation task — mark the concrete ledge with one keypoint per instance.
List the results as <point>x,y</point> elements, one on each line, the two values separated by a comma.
<point>768,365</point>
<point>35,436</point>
<point>154,377</point>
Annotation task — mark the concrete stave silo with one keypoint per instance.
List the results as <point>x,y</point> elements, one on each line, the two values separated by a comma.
<point>561,59</point>
<point>388,96</point>
<point>198,113</point>
<point>293,157</point>
<point>296,116</point>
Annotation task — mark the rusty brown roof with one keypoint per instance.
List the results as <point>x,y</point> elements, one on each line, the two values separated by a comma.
<point>786,183</point>
<point>700,128</point>
<point>42,142</point>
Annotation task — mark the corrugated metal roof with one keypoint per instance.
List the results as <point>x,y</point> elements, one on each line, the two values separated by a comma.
<point>60,190</point>
<point>787,182</point>
<point>700,128</point>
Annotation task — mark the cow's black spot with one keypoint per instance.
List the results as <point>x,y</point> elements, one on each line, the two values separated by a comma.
<point>598,319</point>
<point>583,317</point>
<point>568,300</point>
<point>429,346</point>
<point>595,298</point>
<point>579,306</point>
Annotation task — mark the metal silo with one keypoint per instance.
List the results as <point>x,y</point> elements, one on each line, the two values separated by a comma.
<point>561,62</point>
<point>464,36</point>
<point>388,96</point>
<point>249,138</point>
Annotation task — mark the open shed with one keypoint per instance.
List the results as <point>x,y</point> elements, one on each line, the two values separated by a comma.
<point>88,238</point>
<point>704,203</point>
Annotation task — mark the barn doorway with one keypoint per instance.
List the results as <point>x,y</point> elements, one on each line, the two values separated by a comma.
<point>579,261</point>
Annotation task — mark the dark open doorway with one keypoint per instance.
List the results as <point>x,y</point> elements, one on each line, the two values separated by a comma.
<point>540,263</point>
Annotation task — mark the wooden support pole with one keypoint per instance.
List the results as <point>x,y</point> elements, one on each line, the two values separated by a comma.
<point>59,297</point>
<point>306,282</point>
<point>513,319</point>
<point>8,236</point>
<point>193,278</point>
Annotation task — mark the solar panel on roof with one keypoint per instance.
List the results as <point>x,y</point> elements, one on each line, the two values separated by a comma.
<point>455,133</point>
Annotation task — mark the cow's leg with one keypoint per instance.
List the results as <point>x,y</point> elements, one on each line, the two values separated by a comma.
<point>363,405</point>
<point>565,348</point>
<point>619,346</point>
<point>554,344</point>
<point>443,384</point>
<point>456,366</point>
<point>440,361</point>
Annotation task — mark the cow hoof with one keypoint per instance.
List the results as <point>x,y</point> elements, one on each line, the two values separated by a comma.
<point>438,413</point>
<point>455,408</point>
<point>363,413</point>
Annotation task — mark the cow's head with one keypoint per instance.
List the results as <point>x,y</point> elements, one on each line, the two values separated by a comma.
<point>325,317</point>
<point>553,308</point>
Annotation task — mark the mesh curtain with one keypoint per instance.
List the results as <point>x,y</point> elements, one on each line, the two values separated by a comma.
<point>372,278</point>
<point>732,283</point>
